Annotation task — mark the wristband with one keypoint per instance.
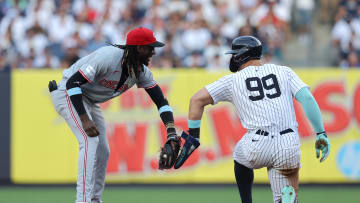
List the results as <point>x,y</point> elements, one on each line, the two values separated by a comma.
<point>74,91</point>
<point>165,108</point>
<point>194,128</point>
<point>323,132</point>
<point>194,123</point>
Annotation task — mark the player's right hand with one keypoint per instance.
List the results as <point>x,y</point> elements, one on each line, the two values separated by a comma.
<point>322,144</point>
<point>89,126</point>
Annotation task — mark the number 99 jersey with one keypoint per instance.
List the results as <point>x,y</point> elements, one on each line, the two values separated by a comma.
<point>262,95</point>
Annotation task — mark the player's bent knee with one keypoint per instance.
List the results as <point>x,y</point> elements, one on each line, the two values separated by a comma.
<point>289,172</point>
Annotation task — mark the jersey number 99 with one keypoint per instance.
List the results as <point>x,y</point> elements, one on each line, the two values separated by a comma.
<point>255,84</point>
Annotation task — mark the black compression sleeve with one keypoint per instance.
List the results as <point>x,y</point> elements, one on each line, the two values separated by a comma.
<point>158,98</point>
<point>75,81</point>
<point>195,132</point>
<point>168,120</point>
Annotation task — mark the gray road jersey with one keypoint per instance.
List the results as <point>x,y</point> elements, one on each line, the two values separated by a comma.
<point>102,70</point>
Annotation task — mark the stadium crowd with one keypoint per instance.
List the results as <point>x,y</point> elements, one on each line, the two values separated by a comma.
<point>346,34</point>
<point>55,33</point>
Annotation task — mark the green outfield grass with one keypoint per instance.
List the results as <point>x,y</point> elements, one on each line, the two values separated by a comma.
<point>175,194</point>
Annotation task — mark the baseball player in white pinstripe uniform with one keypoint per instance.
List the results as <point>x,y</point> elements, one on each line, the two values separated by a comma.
<point>102,75</point>
<point>263,97</point>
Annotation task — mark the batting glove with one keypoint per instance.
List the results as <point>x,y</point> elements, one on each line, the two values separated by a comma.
<point>189,147</point>
<point>322,144</point>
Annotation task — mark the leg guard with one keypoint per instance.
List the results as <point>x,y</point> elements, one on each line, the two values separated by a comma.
<point>244,179</point>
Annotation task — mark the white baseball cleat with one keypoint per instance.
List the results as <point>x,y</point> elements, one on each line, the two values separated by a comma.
<point>288,195</point>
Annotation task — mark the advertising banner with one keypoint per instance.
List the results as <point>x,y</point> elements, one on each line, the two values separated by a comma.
<point>43,149</point>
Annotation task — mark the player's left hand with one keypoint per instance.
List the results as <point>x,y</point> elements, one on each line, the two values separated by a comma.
<point>322,144</point>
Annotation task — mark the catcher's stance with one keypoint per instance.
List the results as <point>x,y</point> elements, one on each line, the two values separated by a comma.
<point>262,96</point>
<point>96,78</point>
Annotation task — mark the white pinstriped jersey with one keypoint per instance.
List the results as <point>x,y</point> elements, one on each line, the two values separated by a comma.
<point>262,95</point>
<point>102,70</point>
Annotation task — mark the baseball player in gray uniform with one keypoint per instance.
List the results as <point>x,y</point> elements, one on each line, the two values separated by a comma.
<point>263,97</point>
<point>106,73</point>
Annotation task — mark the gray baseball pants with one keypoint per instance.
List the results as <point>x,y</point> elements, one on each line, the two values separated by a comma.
<point>93,151</point>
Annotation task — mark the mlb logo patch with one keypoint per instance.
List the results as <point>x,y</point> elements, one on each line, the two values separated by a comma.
<point>90,69</point>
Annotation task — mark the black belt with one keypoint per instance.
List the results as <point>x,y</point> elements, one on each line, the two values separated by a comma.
<point>265,133</point>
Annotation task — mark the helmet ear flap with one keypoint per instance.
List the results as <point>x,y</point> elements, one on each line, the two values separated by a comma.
<point>234,64</point>
<point>237,57</point>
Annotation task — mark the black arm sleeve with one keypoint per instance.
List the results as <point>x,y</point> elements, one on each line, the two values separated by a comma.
<point>75,81</point>
<point>158,98</point>
<point>195,132</point>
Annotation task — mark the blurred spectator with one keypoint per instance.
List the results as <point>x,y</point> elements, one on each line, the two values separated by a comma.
<point>350,6</point>
<point>248,6</point>
<point>341,35</point>
<point>71,56</point>
<point>62,25</point>
<point>248,29</point>
<point>196,37</point>
<point>327,10</point>
<point>46,60</point>
<point>96,42</point>
<point>215,55</point>
<point>355,27</point>
<point>303,15</point>
<point>195,60</point>
<point>271,11</point>
<point>352,61</point>
<point>272,26</point>
<point>41,12</point>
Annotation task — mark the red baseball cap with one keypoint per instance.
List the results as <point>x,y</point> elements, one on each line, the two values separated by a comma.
<point>142,36</point>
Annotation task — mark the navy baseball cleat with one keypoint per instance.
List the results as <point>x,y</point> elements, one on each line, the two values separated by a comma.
<point>189,147</point>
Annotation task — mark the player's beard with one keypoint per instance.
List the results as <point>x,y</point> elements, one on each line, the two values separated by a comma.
<point>145,59</point>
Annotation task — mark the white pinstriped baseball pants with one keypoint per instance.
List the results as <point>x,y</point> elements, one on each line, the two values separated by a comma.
<point>275,152</point>
<point>93,151</point>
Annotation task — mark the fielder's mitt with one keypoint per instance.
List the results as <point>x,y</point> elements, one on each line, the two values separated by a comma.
<point>169,152</point>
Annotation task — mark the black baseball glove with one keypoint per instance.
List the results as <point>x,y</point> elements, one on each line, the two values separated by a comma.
<point>169,152</point>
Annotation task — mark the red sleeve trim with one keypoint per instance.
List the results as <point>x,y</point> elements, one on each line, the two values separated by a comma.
<point>150,86</point>
<point>82,73</point>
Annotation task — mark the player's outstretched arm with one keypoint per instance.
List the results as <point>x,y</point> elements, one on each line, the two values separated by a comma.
<point>170,150</point>
<point>200,99</point>
<point>192,140</point>
<point>313,113</point>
